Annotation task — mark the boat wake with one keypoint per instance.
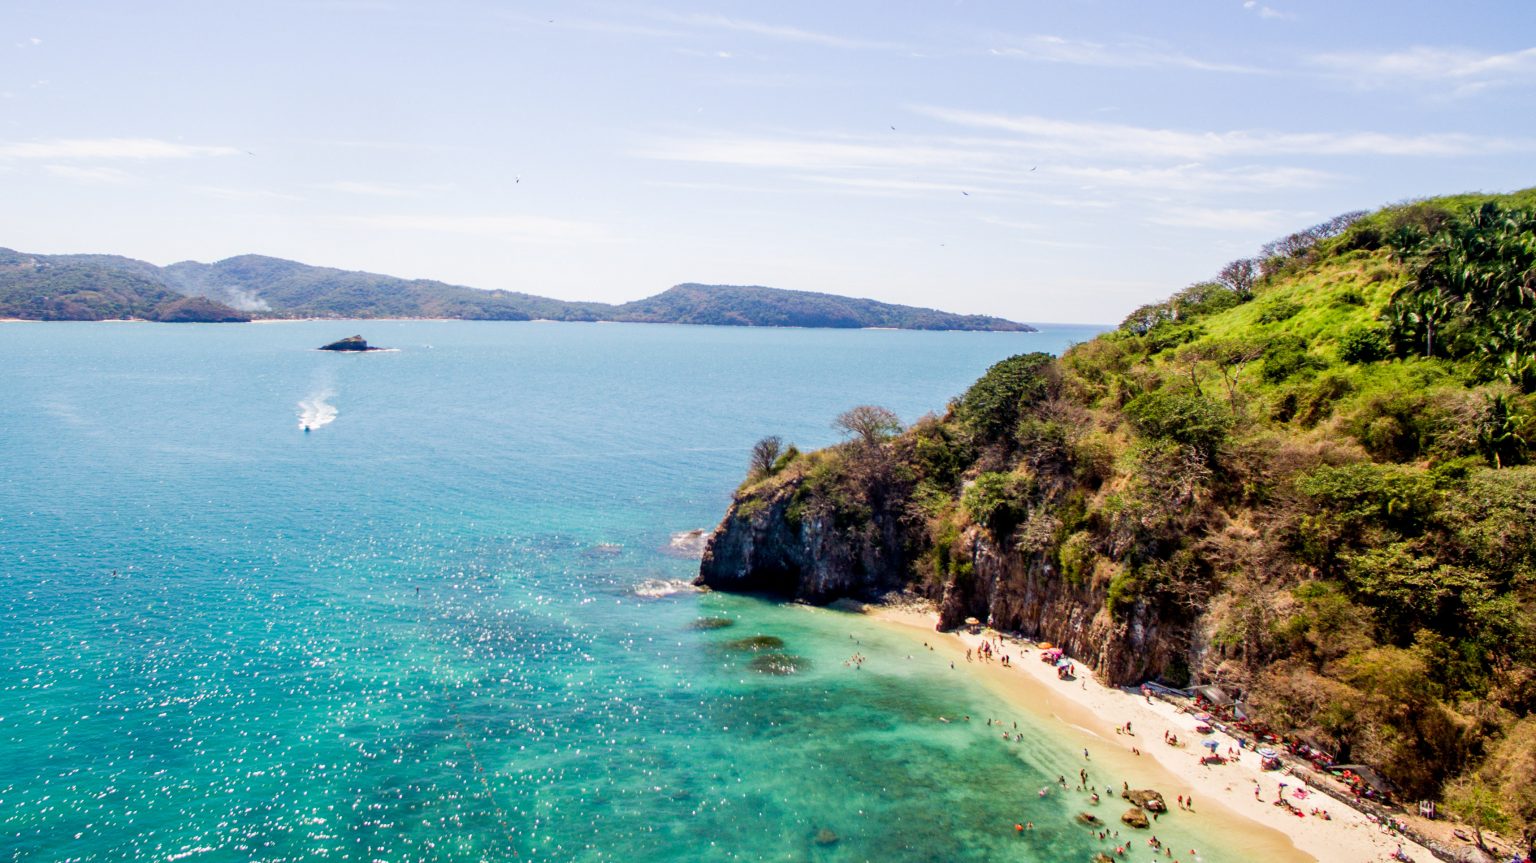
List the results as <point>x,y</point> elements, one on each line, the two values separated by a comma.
<point>315,412</point>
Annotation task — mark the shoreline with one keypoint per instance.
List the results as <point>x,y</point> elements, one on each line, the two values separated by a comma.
<point>1091,712</point>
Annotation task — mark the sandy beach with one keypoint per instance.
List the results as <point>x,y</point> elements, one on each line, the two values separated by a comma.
<point>1224,795</point>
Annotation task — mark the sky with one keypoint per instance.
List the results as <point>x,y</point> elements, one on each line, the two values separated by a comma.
<point>1051,161</point>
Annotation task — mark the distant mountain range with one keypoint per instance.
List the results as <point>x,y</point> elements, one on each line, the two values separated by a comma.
<point>105,287</point>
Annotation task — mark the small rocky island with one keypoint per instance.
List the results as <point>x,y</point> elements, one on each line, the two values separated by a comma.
<point>350,343</point>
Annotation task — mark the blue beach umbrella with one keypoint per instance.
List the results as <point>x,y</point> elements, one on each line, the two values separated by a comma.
<point>1209,744</point>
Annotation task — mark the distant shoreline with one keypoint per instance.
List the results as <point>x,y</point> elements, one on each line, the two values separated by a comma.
<point>1032,331</point>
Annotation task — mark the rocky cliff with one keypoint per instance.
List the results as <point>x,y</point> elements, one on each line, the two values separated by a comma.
<point>772,542</point>
<point>769,544</point>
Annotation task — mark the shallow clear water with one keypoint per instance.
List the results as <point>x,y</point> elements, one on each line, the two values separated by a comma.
<point>440,626</point>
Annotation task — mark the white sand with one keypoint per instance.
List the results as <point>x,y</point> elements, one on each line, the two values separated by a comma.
<point>1223,795</point>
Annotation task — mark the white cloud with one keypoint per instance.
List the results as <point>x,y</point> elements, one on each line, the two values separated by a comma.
<point>1124,141</point>
<point>514,228</point>
<point>109,148</point>
<point>775,31</point>
<point>1264,11</point>
<point>1228,218</point>
<point>1463,69</point>
<point>376,190</point>
<point>97,175</point>
<point>808,153</point>
<point>1195,177</point>
<point>1055,49</point>
<point>233,194</point>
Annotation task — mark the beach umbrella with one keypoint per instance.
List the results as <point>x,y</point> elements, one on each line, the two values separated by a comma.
<point>1063,662</point>
<point>971,621</point>
<point>1210,744</point>
<point>1045,645</point>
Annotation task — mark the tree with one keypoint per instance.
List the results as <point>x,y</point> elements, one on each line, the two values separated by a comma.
<point>1471,800</point>
<point>1239,276</point>
<point>764,454</point>
<point>869,423</point>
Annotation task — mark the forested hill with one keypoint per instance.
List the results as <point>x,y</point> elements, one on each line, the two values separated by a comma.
<point>95,287</point>
<point>1308,480</point>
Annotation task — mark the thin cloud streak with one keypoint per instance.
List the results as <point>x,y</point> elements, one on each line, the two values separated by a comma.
<point>109,148</point>
<point>1229,218</point>
<point>1118,140</point>
<point>1470,71</point>
<point>1125,55</point>
<point>100,175</point>
<point>778,32</point>
<point>514,228</point>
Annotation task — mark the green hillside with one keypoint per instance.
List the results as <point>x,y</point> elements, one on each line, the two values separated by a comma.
<point>37,287</point>
<point>1307,480</point>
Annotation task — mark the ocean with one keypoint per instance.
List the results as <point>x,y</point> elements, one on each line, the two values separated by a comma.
<point>449,622</point>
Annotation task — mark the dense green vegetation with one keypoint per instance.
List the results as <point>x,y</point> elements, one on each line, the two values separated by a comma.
<point>1313,470</point>
<point>93,287</point>
<point>39,288</point>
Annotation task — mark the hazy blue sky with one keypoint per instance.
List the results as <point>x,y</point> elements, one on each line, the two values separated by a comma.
<point>1048,161</point>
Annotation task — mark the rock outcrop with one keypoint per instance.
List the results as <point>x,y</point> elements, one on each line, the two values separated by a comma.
<point>767,544</point>
<point>350,343</point>
<point>1135,817</point>
<point>1146,798</point>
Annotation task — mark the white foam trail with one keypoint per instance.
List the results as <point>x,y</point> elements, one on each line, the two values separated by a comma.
<point>315,412</point>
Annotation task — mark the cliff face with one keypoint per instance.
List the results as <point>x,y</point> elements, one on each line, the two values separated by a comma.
<point>766,545</point>
<point>761,547</point>
<point>1023,593</point>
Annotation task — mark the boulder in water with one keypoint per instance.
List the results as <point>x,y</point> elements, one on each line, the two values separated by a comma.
<point>825,837</point>
<point>350,343</point>
<point>756,643</point>
<point>1146,798</point>
<point>1101,857</point>
<point>1136,817</point>
<point>1088,818</point>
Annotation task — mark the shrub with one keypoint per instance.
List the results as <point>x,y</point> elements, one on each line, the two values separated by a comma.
<point>1363,344</point>
<point>998,501</point>
<point>1181,416</point>
<point>990,409</point>
<point>1285,357</point>
<point>1279,310</point>
<point>1202,299</point>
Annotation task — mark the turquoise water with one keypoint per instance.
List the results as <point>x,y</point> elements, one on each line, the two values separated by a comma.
<point>445,624</point>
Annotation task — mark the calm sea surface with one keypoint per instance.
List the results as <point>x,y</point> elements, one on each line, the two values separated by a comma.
<point>446,624</point>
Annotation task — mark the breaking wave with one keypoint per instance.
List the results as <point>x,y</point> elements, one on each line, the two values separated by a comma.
<point>655,588</point>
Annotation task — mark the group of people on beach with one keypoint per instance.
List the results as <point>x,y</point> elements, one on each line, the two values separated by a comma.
<point>986,652</point>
